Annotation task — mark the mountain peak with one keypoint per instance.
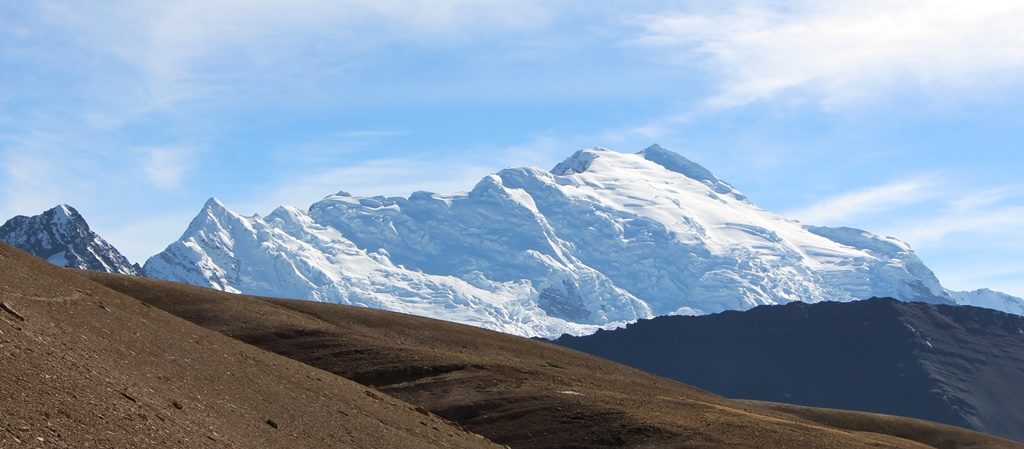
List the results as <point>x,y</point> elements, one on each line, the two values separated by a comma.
<point>214,204</point>
<point>63,237</point>
<point>65,210</point>
<point>579,162</point>
<point>65,215</point>
<point>213,214</point>
<point>583,160</point>
<point>215,209</point>
<point>678,163</point>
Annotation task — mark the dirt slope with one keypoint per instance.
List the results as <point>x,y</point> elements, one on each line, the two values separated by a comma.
<point>83,366</point>
<point>525,393</point>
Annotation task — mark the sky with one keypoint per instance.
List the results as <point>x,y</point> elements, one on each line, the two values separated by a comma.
<point>902,117</point>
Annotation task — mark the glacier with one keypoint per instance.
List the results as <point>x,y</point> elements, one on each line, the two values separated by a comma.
<point>287,254</point>
<point>602,239</point>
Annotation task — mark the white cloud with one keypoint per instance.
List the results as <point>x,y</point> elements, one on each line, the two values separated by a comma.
<point>972,240</point>
<point>869,200</point>
<point>168,70</point>
<point>165,166</point>
<point>1007,220</point>
<point>975,201</point>
<point>846,51</point>
<point>196,49</point>
<point>984,214</point>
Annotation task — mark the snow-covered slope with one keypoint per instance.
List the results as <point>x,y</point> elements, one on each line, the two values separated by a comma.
<point>62,237</point>
<point>604,237</point>
<point>638,222</point>
<point>287,254</point>
<point>989,299</point>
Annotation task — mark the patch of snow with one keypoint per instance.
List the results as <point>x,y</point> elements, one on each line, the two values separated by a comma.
<point>990,299</point>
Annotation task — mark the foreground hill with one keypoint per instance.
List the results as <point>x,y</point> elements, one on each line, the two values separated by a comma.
<point>525,393</point>
<point>603,238</point>
<point>951,364</point>
<point>84,366</point>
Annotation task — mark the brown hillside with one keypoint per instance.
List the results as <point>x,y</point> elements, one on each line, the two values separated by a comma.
<point>521,392</point>
<point>83,366</point>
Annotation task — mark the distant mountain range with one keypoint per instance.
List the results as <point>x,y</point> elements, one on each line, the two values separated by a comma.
<point>989,299</point>
<point>956,365</point>
<point>603,239</point>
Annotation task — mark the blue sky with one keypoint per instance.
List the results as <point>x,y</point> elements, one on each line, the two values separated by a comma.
<point>903,117</point>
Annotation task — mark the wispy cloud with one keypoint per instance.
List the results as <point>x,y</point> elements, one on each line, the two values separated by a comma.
<point>874,199</point>
<point>972,240</point>
<point>193,50</point>
<point>975,201</point>
<point>165,166</point>
<point>333,148</point>
<point>988,213</point>
<point>92,113</point>
<point>839,52</point>
<point>1007,220</point>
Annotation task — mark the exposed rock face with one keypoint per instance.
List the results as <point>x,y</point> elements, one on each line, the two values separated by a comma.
<point>62,237</point>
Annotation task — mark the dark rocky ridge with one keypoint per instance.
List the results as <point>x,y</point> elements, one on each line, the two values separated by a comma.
<point>62,237</point>
<point>952,364</point>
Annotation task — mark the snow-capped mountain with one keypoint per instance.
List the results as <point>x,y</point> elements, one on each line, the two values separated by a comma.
<point>62,237</point>
<point>603,238</point>
<point>287,254</point>
<point>989,299</point>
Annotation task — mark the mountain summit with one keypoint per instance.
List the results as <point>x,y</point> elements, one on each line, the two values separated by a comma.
<point>62,237</point>
<point>601,239</point>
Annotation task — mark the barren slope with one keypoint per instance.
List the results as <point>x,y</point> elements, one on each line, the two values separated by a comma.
<point>84,366</point>
<point>525,393</point>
